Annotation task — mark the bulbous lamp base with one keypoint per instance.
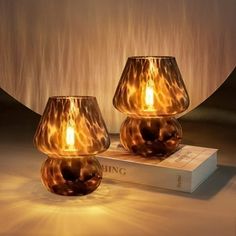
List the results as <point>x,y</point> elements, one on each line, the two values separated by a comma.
<point>151,136</point>
<point>71,176</point>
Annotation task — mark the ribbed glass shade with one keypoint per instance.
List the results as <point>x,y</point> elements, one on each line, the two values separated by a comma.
<point>151,87</point>
<point>70,127</point>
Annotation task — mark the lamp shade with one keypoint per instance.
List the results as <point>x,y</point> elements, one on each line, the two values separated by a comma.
<point>151,87</point>
<point>70,127</point>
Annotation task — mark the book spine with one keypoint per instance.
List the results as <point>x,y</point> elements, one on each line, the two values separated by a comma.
<point>204,171</point>
<point>175,179</point>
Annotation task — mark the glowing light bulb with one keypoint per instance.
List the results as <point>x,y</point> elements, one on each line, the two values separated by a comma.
<point>149,94</point>
<point>70,136</point>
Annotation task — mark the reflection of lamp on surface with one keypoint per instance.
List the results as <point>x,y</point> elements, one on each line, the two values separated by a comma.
<point>151,91</point>
<point>71,131</point>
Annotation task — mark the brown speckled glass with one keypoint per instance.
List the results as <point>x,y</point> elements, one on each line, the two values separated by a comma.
<point>71,127</point>
<point>150,92</point>
<point>71,176</point>
<point>159,76</point>
<point>151,136</point>
<point>71,131</point>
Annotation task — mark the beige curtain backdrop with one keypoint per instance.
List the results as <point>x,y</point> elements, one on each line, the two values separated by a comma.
<point>66,47</point>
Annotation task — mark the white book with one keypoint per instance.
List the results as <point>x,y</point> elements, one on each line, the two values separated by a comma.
<point>184,170</point>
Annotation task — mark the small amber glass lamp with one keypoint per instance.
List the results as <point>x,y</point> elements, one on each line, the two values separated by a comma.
<point>151,92</point>
<point>71,131</point>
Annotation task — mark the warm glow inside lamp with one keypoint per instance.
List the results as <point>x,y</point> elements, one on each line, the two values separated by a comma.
<point>151,92</point>
<point>71,131</point>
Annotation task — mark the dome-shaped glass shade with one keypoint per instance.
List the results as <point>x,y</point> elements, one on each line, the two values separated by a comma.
<point>70,127</point>
<point>151,87</point>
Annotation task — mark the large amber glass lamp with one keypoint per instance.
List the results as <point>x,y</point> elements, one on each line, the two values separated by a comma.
<point>151,92</point>
<point>71,131</point>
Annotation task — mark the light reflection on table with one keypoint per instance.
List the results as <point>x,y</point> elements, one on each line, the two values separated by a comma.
<point>115,208</point>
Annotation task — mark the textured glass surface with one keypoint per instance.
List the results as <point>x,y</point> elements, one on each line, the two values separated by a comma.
<point>151,137</point>
<point>151,87</point>
<point>70,127</point>
<point>71,176</point>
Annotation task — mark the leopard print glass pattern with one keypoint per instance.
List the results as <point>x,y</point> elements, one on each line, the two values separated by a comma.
<point>71,176</point>
<point>151,87</point>
<point>71,126</point>
<point>158,137</point>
